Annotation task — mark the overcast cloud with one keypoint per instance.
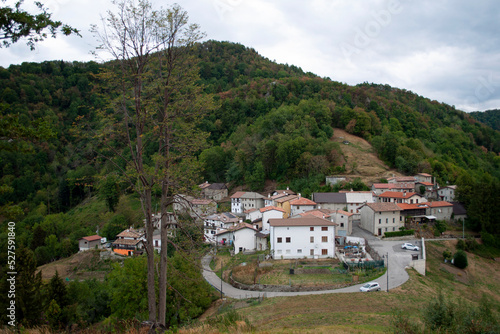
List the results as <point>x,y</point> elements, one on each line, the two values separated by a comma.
<point>448,51</point>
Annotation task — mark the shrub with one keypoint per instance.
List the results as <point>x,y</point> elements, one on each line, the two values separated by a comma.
<point>398,233</point>
<point>460,259</point>
<point>461,244</point>
<point>447,255</point>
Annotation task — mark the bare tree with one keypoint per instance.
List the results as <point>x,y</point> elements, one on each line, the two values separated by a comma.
<point>156,114</point>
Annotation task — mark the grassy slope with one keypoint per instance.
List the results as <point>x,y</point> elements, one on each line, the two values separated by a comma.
<point>373,312</point>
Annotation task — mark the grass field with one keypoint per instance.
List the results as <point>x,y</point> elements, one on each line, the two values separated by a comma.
<point>367,312</point>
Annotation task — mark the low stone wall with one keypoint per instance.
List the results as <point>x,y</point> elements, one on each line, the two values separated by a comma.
<point>283,288</point>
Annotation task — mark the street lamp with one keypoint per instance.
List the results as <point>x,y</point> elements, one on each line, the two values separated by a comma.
<point>387,273</point>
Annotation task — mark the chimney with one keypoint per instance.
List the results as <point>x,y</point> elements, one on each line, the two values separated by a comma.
<point>268,195</point>
<point>299,195</point>
<point>287,188</point>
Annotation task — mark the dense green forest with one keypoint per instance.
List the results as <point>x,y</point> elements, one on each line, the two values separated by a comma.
<point>488,117</point>
<point>272,121</point>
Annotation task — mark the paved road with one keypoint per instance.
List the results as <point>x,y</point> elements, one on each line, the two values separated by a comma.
<point>399,259</point>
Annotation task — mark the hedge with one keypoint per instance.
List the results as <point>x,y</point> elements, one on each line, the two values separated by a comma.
<point>398,233</point>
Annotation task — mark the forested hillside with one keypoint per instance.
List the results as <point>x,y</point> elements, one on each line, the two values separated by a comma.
<point>272,121</point>
<point>488,117</point>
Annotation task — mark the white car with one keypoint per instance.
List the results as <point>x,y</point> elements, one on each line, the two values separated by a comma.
<point>409,246</point>
<point>372,286</point>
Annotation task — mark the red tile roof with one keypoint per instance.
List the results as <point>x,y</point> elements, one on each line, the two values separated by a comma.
<point>397,194</point>
<point>268,208</point>
<point>380,207</point>
<point>438,204</point>
<point>302,201</point>
<point>92,237</point>
<point>238,194</point>
<point>304,221</point>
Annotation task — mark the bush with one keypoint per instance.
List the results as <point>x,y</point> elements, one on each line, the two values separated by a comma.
<point>398,233</point>
<point>461,244</point>
<point>460,259</point>
<point>447,255</point>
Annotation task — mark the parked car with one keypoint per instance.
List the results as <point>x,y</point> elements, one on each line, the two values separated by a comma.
<point>372,286</point>
<point>409,246</point>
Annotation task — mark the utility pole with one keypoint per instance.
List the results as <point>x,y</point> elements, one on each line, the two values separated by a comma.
<point>387,272</point>
<point>221,273</point>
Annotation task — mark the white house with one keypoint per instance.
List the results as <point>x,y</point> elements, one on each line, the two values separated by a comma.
<point>270,199</point>
<point>216,222</point>
<point>270,212</point>
<point>447,193</point>
<point>242,237</point>
<point>400,197</point>
<point>306,237</point>
<point>242,201</point>
<point>378,218</point>
<point>355,199</point>
<point>253,214</point>
<point>344,221</point>
<point>300,205</point>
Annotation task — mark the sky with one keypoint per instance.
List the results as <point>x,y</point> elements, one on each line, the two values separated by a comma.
<point>445,50</point>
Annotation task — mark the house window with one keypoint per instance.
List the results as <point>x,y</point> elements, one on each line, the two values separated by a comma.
<point>280,240</point>
<point>288,251</point>
<point>288,240</point>
<point>341,224</point>
<point>380,221</point>
<point>393,229</point>
<point>324,252</point>
<point>311,252</point>
<point>324,239</point>
<point>311,239</point>
<point>299,251</point>
<point>241,249</point>
<point>279,251</point>
<point>311,228</point>
<point>387,220</point>
<point>393,220</point>
<point>324,228</point>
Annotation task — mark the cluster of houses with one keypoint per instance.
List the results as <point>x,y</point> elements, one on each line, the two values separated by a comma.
<point>293,226</point>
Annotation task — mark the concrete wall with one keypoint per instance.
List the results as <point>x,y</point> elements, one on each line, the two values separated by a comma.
<point>419,265</point>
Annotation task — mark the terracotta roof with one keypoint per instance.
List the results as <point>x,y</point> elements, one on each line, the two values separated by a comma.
<point>342,212</point>
<point>414,206</point>
<point>217,186</point>
<point>425,183</point>
<point>204,185</point>
<point>127,242</point>
<point>438,204</point>
<point>250,210</point>
<point>238,227</point>
<point>381,207</point>
<point>304,221</point>
<point>402,178</point>
<point>410,185</point>
<point>398,194</point>
<point>302,201</point>
<point>318,213</point>
<point>130,233</point>
<point>330,198</point>
<point>284,192</point>
<point>92,238</point>
<point>286,198</point>
<point>238,194</point>
<point>425,174</point>
<point>269,208</point>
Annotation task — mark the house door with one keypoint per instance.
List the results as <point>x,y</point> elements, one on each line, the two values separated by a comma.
<point>379,231</point>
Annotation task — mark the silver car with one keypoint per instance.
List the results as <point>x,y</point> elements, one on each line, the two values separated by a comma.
<point>409,246</point>
<point>372,286</point>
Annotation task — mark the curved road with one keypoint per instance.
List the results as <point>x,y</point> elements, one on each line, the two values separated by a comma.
<point>399,259</point>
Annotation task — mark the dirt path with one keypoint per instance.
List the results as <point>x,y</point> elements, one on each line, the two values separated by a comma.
<point>360,158</point>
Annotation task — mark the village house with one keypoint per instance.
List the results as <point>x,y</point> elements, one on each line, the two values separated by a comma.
<point>129,242</point>
<point>90,242</point>
<point>442,210</point>
<point>270,212</point>
<point>415,213</point>
<point>217,222</point>
<point>300,205</point>
<point>423,177</point>
<point>447,193</point>
<point>427,187</point>
<point>242,237</point>
<point>215,191</point>
<point>253,215</point>
<point>344,221</point>
<point>355,199</point>
<point>378,218</point>
<point>242,201</point>
<point>284,203</point>
<point>400,197</point>
<point>270,200</point>
<point>305,237</point>
<point>401,179</point>
<point>197,208</point>
<point>331,201</point>
<point>379,188</point>
<point>459,211</point>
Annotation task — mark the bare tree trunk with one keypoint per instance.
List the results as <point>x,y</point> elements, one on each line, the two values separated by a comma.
<point>147,206</point>
<point>162,299</point>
